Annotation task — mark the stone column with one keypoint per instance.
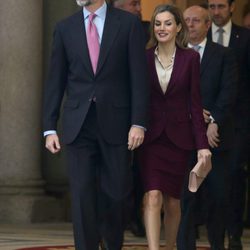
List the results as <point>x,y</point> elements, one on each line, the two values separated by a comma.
<point>22,196</point>
<point>54,167</point>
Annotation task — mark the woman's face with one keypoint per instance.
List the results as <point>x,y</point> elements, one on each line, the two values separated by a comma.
<point>165,27</point>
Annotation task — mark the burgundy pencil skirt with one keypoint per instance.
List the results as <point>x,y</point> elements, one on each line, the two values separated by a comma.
<point>163,166</point>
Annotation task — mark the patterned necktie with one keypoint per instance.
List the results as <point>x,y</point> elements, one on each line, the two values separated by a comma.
<point>93,42</point>
<point>196,47</point>
<point>220,36</point>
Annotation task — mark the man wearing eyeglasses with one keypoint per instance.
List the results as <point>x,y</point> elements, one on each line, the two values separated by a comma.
<point>218,80</point>
<point>228,34</point>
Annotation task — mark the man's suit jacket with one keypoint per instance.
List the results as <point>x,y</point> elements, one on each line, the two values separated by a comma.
<point>178,112</point>
<point>119,86</point>
<point>146,28</point>
<point>240,43</point>
<point>219,76</point>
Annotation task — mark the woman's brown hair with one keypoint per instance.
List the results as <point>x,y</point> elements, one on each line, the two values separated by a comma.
<point>182,36</point>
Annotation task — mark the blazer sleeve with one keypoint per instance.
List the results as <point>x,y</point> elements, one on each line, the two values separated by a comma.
<point>228,87</point>
<point>198,123</point>
<point>55,83</point>
<point>138,75</point>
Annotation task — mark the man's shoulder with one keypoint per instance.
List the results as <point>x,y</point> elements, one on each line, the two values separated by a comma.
<point>216,49</point>
<point>241,31</point>
<point>239,28</point>
<point>219,54</point>
<point>71,19</point>
<point>121,14</point>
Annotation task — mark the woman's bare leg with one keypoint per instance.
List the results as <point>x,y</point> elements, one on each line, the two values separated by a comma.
<point>152,218</point>
<point>172,215</point>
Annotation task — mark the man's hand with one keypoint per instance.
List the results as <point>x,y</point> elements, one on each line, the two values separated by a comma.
<point>213,135</point>
<point>206,115</point>
<point>52,143</point>
<point>135,137</point>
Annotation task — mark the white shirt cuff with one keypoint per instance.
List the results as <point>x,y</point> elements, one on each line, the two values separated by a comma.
<point>49,132</point>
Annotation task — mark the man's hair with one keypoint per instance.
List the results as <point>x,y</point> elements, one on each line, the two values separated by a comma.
<point>205,6</point>
<point>229,2</point>
<point>117,2</point>
<point>246,9</point>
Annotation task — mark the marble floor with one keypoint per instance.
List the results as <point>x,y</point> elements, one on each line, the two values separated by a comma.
<point>13,237</point>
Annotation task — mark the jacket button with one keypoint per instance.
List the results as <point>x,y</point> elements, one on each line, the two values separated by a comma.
<point>93,99</point>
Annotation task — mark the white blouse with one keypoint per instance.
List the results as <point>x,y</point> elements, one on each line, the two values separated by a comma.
<point>164,73</point>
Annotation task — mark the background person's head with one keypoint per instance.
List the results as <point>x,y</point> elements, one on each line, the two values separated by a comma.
<point>176,20</point>
<point>198,22</point>
<point>221,11</point>
<point>132,6</point>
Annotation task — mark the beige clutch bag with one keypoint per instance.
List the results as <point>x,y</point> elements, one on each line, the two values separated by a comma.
<point>198,174</point>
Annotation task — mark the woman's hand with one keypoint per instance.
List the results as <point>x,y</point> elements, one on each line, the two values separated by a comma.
<point>204,155</point>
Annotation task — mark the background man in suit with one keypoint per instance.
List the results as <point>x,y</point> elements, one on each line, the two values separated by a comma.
<point>134,7</point>
<point>218,86</point>
<point>136,224</point>
<point>237,38</point>
<point>104,114</point>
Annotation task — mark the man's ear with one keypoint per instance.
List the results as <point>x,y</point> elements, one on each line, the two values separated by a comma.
<point>208,24</point>
<point>232,7</point>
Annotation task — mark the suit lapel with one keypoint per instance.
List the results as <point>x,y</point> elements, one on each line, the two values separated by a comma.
<point>81,41</point>
<point>209,35</point>
<point>208,52</point>
<point>111,28</point>
<point>234,38</point>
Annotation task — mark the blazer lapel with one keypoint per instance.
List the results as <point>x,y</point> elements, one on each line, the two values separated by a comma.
<point>153,72</point>
<point>177,67</point>
<point>111,28</point>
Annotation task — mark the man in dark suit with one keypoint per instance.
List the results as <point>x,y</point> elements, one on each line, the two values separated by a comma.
<point>104,114</point>
<point>237,38</point>
<point>218,86</point>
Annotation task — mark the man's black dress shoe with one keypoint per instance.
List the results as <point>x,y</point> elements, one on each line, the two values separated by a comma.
<point>234,243</point>
<point>137,229</point>
<point>103,245</point>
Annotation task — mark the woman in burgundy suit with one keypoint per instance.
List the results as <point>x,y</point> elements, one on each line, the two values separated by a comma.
<point>176,125</point>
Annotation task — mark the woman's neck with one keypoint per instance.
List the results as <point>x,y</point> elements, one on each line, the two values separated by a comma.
<point>167,49</point>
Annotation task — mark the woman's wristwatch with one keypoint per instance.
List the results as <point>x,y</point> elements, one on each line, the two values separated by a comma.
<point>211,119</point>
